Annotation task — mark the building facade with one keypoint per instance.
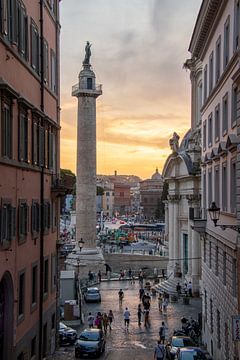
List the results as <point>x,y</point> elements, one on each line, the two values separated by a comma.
<point>150,195</point>
<point>122,200</point>
<point>29,168</point>
<point>216,43</point>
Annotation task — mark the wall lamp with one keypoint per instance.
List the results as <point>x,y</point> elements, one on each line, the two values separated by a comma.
<point>214,213</point>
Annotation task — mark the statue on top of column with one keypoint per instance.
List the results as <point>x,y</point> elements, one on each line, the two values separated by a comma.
<point>174,142</point>
<point>86,60</point>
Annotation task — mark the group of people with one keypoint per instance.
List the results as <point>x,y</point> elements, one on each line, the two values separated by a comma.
<point>101,320</point>
<point>187,289</point>
<point>163,301</point>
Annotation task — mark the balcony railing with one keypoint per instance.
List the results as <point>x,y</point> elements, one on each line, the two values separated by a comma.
<point>76,89</point>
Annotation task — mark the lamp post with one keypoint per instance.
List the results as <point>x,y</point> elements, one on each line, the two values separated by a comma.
<point>214,213</point>
<point>79,292</point>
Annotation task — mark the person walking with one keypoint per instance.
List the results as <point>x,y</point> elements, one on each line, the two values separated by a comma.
<point>90,320</point>
<point>160,302</point>
<point>110,319</point>
<point>99,276</point>
<point>126,316</point>
<point>189,288</point>
<point>120,296</point>
<point>162,333</point>
<point>105,322</point>
<point>141,293</point>
<point>159,352</point>
<point>146,318</point>
<point>98,320</point>
<point>139,314</point>
<point>178,289</point>
<point>164,306</point>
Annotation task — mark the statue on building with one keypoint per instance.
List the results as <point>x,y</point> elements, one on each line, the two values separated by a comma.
<point>174,142</point>
<point>86,60</point>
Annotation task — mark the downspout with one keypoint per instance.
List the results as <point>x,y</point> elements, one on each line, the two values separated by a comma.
<point>41,250</point>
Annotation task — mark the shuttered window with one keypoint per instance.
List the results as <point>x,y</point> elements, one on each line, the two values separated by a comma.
<point>47,216</point>
<point>35,219</point>
<point>53,72</point>
<point>41,146</point>
<point>34,47</point>
<point>35,142</point>
<point>50,150</point>
<point>23,220</point>
<point>6,130</point>
<point>23,136</point>
<point>45,62</point>
<point>22,22</point>
<point>8,224</point>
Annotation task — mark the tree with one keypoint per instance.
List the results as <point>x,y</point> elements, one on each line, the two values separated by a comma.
<point>100,191</point>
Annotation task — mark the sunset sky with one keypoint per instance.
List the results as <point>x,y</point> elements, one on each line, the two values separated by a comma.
<point>138,50</point>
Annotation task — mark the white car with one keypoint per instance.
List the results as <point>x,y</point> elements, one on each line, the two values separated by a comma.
<point>92,295</point>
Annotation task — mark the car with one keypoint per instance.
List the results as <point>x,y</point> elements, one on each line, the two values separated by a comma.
<point>178,342</point>
<point>90,342</point>
<point>92,295</point>
<point>193,353</point>
<point>67,335</point>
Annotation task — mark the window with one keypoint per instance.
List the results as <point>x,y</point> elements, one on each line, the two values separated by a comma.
<point>23,136</point>
<point>205,305</point>
<point>234,277</point>
<point>35,142</point>
<point>41,143</point>
<point>205,83</point>
<point>211,72</point>
<point>204,135</point>
<point>218,327</point>
<point>218,59</point>
<point>216,261</point>
<point>8,224</point>
<point>211,315</point>
<point>45,283</point>
<point>8,19</point>
<point>217,122</point>
<point>53,321</point>
<point>47,216</point>
<point>51,143</point>
<point>107,193</point>
<point>121,194</point>
<point>6,130</point>
<point>21,294</point>
<point>53,72</point>
<point>34,285</point>
<point>210,130</point>
<point>224,187</point>
<point>209,187</point>
<point>53,272</point>
<point>204,250</point>
<point>89,83</point>
<point>216,185</point>
<point>226,43</point>
<point>210,255</point>
<point>35,47</point>
<point>45,62</point>
<point>35,219</point>
<point>23,220</point>
<point>204,200</point>
<point>225,114</point>
<point>233,187</point>
<point>33,347</point>
<point>234,105</point>
<point>224,267</point>
<point>45,340</point>
<point>236,36</point>
<point>22,37</point>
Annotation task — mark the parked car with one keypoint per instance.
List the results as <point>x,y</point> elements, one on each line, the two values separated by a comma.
<point>67,335</point>
<point>92,295</point>
<point>90,342</point>
<point>178,342</point>
<point>193,353</point>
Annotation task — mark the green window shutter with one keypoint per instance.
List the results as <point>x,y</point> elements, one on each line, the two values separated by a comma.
<point>13,223</point>
<point>41,146</point>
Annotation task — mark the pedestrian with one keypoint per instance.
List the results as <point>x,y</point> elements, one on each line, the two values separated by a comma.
<point>162,332</point>
<point>178,289</point>
<point>120,296</point>
<point>126,316</point>
<point>159,352</point>
<point>99,276</point>
<point>146,318</point>
<point>160,302</point>
<point>147,301</point>
<point>186,288</point>
<point>163,273</point>
<point>90,320</point>
<point>139,314</point>
<point>189,287</point>
<point>141,293</point>
<point>105,322</point>
<point>130,273</point>
<point>165,305</point>
<point>98,320</point>
<point>110,319</point>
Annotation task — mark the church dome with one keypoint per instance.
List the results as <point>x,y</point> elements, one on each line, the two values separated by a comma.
<point>156,175</point>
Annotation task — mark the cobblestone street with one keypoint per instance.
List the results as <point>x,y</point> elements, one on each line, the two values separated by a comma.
<point>139,342</point>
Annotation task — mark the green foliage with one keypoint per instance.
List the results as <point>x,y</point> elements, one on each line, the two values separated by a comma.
<point>100,191</point>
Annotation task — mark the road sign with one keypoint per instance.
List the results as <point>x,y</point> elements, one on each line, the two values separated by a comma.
<point>236,327</point>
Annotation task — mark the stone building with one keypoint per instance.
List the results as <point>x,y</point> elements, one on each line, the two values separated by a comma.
<point>122,201</point>
<point>183,174</point>
<point>215,43</point>
<point>29,168</point>
<point>150,195</point>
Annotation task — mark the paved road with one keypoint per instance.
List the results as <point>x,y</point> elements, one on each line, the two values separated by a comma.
<point>139,342</point>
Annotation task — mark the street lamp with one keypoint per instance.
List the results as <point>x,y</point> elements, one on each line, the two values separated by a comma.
<point>80,244</point>
<point>214,213</point>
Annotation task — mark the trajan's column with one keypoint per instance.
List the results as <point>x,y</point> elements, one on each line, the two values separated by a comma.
<point>87,92</point>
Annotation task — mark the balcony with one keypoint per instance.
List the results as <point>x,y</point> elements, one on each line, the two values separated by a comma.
<point>198,218</point>
<point>78,90</point>
<point>58,189</point>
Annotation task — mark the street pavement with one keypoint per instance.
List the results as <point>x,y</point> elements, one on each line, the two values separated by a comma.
<point>139,342</point>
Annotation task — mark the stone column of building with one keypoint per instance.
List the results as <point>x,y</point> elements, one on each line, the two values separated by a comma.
<point>170,236</point>
<point>176,230</point>
<point>189,240</point>
<point>166,220</point>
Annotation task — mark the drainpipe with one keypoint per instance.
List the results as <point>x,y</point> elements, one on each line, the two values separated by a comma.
<point>41,249</point>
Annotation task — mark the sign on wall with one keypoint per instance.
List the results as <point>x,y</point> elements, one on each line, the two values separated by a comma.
<point>236,327</point>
